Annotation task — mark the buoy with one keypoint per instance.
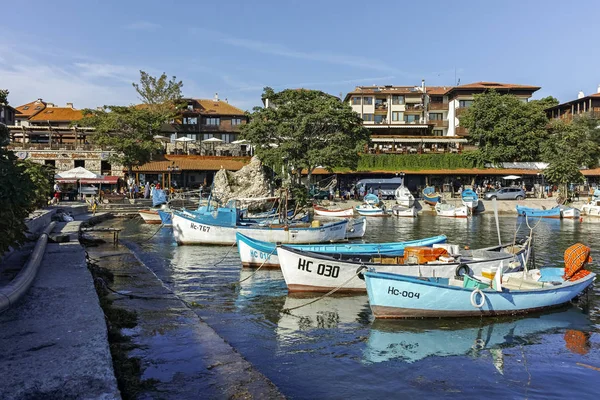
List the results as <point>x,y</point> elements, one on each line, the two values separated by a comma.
<point>466,247</point>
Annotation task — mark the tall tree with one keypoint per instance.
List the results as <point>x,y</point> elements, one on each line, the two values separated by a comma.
<point>304,129</point>
<point>159,94</point>
<point>4,96</point>
<point>504,128</point>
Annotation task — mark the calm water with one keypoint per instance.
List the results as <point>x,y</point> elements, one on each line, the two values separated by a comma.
<point>334,349</point>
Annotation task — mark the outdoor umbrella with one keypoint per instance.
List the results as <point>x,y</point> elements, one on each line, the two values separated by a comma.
<point>511,177</point>
<point>185,140</point>
<point>213,140</point>
<point>78,173</point>
<point>239,141</point>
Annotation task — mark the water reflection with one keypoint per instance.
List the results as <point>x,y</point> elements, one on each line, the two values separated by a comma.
<point>412,341</point>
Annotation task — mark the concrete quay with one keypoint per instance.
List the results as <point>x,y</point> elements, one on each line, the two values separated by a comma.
<point>53,343</point>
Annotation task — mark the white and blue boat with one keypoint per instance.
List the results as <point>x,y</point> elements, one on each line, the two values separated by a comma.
<point>165,217</point>
<point>254,253</point>
<point>469,198</point>
<point>372,207</point>
<point>430,196</point>
<point>538,212</point>
<point>399,296</point>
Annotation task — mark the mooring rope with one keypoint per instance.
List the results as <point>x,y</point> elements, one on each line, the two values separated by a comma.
<point>226,254</point>
<point>257,269</point>
<point>332,291</point>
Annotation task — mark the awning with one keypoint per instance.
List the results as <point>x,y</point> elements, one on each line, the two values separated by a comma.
<point>440,139</point>
<point>65,180</point>
<point>109,180</point>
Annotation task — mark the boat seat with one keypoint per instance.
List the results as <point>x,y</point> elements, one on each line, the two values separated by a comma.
<point>518,283</point>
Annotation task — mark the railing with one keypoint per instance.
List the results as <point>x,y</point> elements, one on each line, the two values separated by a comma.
<point>55,146</point>
<point>460,131</point>
<point>414,107</point>
<point>439,123</point>
<point>438,106</point>
<point>460,110</point>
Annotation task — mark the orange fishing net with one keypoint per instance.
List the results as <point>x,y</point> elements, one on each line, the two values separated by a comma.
<point>576,257</point>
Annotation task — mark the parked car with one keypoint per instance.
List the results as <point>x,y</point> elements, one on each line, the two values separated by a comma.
<point>508,193</point>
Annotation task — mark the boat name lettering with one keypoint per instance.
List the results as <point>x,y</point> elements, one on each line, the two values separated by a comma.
<point>259,254</point>
<point>336,228</point>
<point>328,270</point>
<point>304,265</point>
<point>197,227</point>
<point>403,293</point>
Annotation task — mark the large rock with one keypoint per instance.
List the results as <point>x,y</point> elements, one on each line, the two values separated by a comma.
<point>249,182</point>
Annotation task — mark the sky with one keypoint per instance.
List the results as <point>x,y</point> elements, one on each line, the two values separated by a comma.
<point>89,52</point>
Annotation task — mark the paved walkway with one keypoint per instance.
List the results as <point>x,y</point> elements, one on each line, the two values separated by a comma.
<point>53,344</point>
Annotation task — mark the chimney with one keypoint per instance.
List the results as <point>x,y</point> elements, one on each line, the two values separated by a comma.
<point>216,97</point>
<point>38,101</point>
<point>70,105</point>
<point>423,85</point>
<point>49,105</point>
<point>226,101</point>
<point>580,95</point>
<point>598,89</point>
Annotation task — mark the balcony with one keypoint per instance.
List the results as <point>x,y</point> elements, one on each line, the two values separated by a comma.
<point>460,110</point>
<point>439,123</point>
<point>460,131</point>
<point>55,146</point>
<point>412,108</point>
<point>438,106</point>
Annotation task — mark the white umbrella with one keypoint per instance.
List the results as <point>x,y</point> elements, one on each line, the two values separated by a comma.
<point>511,177</point>
<point>239,141</point>
<point>185,140</point>
<point>161,138</point>
<point>78,173</point>
<point>212,140</point>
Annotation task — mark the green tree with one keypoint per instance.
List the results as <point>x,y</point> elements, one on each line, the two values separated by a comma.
<point>504,128</point>
<point>304,129</point>
<point>159,95</point>
<point>128,131</point>
<point>4,96</point>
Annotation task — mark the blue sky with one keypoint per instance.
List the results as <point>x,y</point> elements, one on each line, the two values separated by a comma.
<point>89,52</point>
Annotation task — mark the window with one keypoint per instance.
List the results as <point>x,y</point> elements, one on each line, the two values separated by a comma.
<point>52,163</point>
<point>190,121</point>
<point>465,103</point>
<point>437,99</point>
<point>368,117</point>
<point>236,121</point>
<point>397,116</point>
<point>228,137</point>
<point>381,104</point>
<point>397,100</point>
<point>26,108</point>
<point>105,166</point>
<point>355,101</point>
<point>379,119</point>
<point>412,118</point>
<point>214,121</point>
<point>207,136</point>
<point>190,107</point>
<point>80,163</point>
<point>368,101</point>
<point>436,116</point>
<point>438,132</point>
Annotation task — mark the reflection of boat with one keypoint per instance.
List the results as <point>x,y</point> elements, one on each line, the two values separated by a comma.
<point>253,252</point>
<point>150,216</point>
<point>469,198</point>
<point>401,211</point>
<point>306,271</point>
<point>412,341</point>
<point>324,212</point>
<point>430,196</point>
<point>356,228</point>
<point>448,210</point>
<point>404,197</point>
<point>328,313</point>
<point>538,212</point>
<point>398,296</point>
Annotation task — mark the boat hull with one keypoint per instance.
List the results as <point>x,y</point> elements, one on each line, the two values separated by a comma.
<point>404,212</point>
<point>356,228</point>
<point>312,272</point>
<point>538,213</point>
<point>371,211</point>
<point>165,217</point>
<point>451,211</point>
<point>571,213</point>
<point>255,253</point>
<point>150,216</point>
<point>396,296</point>
<point>188,231</point>
<point>345,213</point>
<point>432,200</point>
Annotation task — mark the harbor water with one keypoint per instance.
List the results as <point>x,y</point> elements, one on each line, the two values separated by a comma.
<point>335,349</point>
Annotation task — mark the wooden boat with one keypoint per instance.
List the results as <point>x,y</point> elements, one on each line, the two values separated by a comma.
<point>469,198</point>
<point>369,210</point>
<point>538,212</point>
<point>591,208</point>
<point>150,216</point>
<point>404,197</point>
<point>324,212</point>
<point>189,229</point>
<point>401,211</point>
<point>254,252</point>
<point>569,212</point>
<point>398,296</point>
<point>317,272</point>
<point>448,210</point>
<point>430,196</point>
<point>357,228</point>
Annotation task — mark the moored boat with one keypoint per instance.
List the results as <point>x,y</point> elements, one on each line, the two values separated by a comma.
<point>538,212</point>
<point>591,208</point>
<point>150,216</point>
<point>401,211</point>
<point>371,210</point>
<point>393,295</point>
<point>324,212</point>
<point>357,228</point>
<point>451,211</point>
<point>317,272</point>
<point>569,212</point>
<point>404,197</point>
<point>469,198</point>
<point>254,252</point>
<point>430,196</point>
<point>165,217</point>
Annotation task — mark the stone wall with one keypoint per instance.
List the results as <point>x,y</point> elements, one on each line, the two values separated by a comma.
<point>65,159</point>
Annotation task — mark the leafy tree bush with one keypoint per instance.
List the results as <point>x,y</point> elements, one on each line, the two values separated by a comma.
<point>415,162</point>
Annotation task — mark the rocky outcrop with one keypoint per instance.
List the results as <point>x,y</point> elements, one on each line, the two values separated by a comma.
<point>248,182</point>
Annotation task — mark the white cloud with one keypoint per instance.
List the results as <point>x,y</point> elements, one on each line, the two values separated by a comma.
<point>117,72</point>
<point>143,26</point>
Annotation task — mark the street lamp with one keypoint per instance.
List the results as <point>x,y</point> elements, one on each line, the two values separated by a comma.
<point>172,169</point>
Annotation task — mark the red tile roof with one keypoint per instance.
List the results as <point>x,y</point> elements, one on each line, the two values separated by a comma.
<point>194,163</point>
<point>30,109</point>
<point>218,107</point>
<point>496,85</point>
<point>58,114</point>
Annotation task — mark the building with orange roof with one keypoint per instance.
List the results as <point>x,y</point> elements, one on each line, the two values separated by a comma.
<point>421,119</point>
<point>583,105</point>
